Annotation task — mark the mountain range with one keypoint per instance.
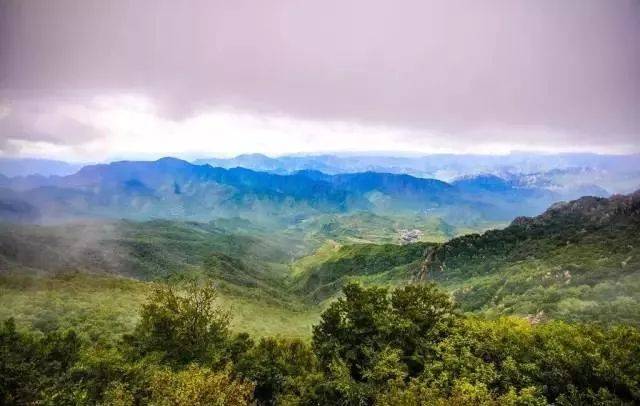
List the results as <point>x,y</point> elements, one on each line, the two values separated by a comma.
<point>296,238</point>
<point>615,173</point>
<point>175,189</point>
<point>33,166</point>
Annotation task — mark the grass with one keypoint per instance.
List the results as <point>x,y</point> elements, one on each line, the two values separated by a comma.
<point>104,306</point>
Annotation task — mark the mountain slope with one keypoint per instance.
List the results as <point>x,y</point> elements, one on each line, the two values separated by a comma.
<point>578,261</point>
<point>29,166</point>
<point>380,264</point>
<point>90,275</point>
<point>170,188</point>
<point>153,250</point>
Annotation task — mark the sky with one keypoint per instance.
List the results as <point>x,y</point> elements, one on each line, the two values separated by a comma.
<point>96,80</point>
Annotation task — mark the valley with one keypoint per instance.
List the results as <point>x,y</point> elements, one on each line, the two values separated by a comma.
<point>314,289</point>
<point>576,262</point>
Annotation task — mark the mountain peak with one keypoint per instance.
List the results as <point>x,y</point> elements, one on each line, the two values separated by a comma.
<point>588,209</point>
<point>171,161</point>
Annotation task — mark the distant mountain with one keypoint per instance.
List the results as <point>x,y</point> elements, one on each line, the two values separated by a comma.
<point>577,261</point>
<point>11,167</point>
<point>483,183</point>
<point>615,173</point>
<point>507,191</point>
<point>170,188</point>
<point>257,162</point>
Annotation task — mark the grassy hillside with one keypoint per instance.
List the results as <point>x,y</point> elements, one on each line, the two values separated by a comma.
<point>105,307</point>
<point>147,250</point>
<point>577,261</point>
<point>322,275</point>
<point>92,275</point>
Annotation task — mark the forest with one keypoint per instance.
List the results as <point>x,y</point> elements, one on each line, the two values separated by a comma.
<point>406,346</point>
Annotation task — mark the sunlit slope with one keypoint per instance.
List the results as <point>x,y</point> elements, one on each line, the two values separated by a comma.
<point>161,251</point>
<point>322,275</point>
<point>577,261</point>
<point>104,307</point>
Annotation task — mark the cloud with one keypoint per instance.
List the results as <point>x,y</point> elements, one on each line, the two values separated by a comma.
<point>131,126</point>
<point>464,68</point>
<point>46,121</point>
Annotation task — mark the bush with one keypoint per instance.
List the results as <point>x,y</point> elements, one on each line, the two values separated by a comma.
<point>183,327</point>
<point>35,367</point>
<point>277,366</point>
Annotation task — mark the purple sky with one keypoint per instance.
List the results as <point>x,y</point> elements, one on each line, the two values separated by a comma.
<point>92,80</point>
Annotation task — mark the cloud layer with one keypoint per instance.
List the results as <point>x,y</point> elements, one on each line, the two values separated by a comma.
<point>433,75</point>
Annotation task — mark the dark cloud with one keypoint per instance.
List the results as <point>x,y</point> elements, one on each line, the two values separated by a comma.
<point>464,67</point>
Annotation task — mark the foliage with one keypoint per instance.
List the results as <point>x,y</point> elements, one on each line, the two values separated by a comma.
<point>197,386</point>
<point>33,367</point>
<point>405,347</point>
<point>412,345</point>
<point>376,349</point>
<point>368,338</point>
<point>184,328</point>
<point>277,366</point>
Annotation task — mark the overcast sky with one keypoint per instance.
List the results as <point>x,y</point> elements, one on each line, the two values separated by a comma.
<point>85,80</point>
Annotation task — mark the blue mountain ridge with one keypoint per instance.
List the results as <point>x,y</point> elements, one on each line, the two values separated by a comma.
<point>174,188</point>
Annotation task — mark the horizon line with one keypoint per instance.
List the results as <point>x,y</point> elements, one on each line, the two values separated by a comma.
<point>341,154</point>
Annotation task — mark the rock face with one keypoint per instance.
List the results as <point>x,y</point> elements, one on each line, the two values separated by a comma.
<point>410,236</point>
<point>536,318</point>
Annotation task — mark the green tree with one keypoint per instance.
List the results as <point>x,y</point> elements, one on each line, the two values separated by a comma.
<point>35,369</point>
<point>198,386</point>
<point>277,366</point>
<point>421,316</point>
<point>368,339</point>
<point>183,326</point>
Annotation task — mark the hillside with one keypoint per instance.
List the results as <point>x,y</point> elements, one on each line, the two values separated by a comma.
<point>372,263</point>
<point>150,251</point>
<point>90,275</point>
<point>577,261</point>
